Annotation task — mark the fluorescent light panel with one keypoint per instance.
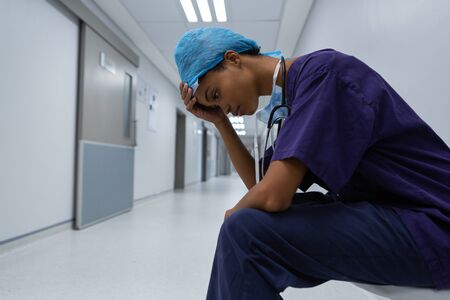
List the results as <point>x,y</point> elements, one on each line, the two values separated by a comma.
<point>205,12</point>
<point>236,119</point>
<point>219,7</point>
<point>189,10</point>
<point>203,6</point>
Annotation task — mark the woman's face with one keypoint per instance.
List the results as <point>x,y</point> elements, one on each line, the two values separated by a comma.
<point>231,87</point>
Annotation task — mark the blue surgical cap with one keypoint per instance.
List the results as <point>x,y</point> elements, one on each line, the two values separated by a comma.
<point>200,50</point>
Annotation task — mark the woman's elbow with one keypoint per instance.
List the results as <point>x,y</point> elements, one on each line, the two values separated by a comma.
<point>276,205</point>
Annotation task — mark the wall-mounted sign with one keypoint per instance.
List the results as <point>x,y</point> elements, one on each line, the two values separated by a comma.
<point>152,106</point>
<point>142,90</point>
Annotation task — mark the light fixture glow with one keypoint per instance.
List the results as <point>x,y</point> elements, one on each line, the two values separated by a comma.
<point>219,7</point>
<point>203,6</point>
<point>236,119</point>
<point>238,126</point>
<point>189,10</point>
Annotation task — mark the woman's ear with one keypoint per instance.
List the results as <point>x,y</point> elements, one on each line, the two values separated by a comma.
<point>232,57</point>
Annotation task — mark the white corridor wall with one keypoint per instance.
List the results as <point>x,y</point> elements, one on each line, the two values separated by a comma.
<point>406,41</point>
<point>38,88</point>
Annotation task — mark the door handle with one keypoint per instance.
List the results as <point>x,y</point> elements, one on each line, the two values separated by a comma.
<point>134,133</point>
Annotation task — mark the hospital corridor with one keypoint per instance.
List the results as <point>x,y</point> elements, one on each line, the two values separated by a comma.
<point>163,250</point>
<point>224,150</point>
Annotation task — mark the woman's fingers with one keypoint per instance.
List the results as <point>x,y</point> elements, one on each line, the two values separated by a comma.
<point>187,96</point>
<point>184,91</point>
<point>191,103</point>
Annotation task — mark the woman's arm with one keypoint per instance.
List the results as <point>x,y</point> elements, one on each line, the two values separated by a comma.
<point>242,161</point>
<point>275,192</point>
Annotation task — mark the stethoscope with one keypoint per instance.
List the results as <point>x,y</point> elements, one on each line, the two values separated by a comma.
<point>278,121</point>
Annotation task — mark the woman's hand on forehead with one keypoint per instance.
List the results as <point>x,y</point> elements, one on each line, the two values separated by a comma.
<point>186,93</point>
<point>212,114</point>
<point>200,94</point>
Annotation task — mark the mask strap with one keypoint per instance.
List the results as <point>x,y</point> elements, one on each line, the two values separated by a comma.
<point>256,150</point>
<point>275,75</point>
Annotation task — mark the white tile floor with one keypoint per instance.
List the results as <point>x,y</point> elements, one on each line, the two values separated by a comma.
<point>162,249</point>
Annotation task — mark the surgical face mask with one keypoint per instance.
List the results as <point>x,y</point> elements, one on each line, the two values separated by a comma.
<point>275,99</point>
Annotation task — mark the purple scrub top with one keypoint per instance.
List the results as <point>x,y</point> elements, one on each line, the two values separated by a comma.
<point>360,140</point>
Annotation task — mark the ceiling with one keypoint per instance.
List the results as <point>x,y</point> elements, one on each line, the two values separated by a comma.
<point>165,25</point>
<point>156,25</point>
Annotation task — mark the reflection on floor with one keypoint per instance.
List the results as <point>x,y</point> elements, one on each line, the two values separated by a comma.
<point>162,249</point>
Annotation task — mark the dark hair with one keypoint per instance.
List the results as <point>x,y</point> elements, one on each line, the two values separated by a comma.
<point>253,51</point>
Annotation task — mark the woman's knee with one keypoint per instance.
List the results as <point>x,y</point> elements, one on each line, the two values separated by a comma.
<point>241,224</point>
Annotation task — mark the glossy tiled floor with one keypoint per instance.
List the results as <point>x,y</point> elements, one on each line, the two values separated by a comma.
<point>162,249</point>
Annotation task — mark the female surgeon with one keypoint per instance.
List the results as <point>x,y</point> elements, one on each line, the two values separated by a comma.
<point>385,218</point>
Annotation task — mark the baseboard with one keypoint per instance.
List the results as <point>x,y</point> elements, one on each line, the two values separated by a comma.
<point>11,244</point>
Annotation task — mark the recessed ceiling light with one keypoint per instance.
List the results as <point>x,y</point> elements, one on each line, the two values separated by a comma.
<point>203,6</point>
<point>219,7</point>
<point>238,126</point>
<point>236,119</point>
<point>189,10</point>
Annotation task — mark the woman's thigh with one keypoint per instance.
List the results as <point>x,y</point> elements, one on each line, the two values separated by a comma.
<point>319,239</point>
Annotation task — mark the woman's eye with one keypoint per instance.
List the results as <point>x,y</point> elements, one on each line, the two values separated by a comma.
<point>216,95</point>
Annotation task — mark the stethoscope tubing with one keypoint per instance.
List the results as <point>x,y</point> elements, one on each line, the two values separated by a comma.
<point>272,113</point>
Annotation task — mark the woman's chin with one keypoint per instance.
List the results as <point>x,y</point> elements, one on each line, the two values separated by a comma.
<point>248,111</point>
<point>253,111</point>
<point>244,112</point>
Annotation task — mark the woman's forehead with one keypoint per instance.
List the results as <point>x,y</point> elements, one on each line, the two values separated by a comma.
<point>212,77</point>
<point>200,92</point>
<point>203,83</point>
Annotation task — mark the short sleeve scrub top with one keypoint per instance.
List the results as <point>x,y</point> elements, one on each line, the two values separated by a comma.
<point>362,142</point>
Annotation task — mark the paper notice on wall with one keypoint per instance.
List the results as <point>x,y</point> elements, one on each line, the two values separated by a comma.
<point>152,107</point>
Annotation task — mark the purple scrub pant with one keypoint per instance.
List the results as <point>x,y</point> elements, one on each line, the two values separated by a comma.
<point>317,239</point>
